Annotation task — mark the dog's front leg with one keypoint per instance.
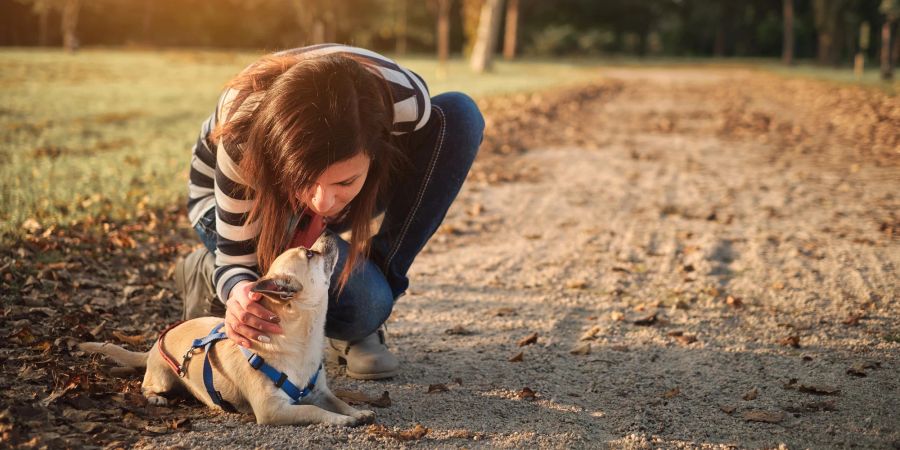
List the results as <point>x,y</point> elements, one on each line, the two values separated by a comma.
<point>331,402</point>
<point>277,411</point>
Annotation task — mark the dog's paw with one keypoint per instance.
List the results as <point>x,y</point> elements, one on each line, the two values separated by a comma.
<point>156,400</point>
<point>343,421</point>
<point>364,416</point>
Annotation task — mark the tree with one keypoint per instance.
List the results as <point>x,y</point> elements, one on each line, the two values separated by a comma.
<point>891,11</point>
<point>826,15</point>
<point>401,19</point>
<point>787,51</point>
<point>443,35</point>
<point>512,25</point>
<point>486,39</point>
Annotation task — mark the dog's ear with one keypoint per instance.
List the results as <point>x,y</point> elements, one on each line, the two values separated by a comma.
<point>275,289</point>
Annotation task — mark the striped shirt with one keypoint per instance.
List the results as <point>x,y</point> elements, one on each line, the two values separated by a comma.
<point>216,181</point>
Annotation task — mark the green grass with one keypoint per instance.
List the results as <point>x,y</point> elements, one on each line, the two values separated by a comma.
<point>96,133</point>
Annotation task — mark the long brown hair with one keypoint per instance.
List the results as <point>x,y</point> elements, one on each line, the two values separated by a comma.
<point>312,112</point>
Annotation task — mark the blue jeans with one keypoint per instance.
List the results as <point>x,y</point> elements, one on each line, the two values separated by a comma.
<point>441,155</point>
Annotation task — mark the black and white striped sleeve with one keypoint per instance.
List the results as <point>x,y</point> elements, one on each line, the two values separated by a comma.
<point>236,257</point>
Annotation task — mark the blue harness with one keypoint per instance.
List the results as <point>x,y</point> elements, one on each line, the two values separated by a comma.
<point>257,362</point>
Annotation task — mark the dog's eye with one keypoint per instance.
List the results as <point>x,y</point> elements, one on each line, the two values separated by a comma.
<point>309,254</point>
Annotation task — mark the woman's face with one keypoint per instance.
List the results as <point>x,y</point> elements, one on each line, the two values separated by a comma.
<point>337,186</point>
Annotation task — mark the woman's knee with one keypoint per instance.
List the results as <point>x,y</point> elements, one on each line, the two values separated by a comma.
<point>463,117</point>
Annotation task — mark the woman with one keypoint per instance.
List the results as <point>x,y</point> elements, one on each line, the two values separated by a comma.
<point>326,136</point>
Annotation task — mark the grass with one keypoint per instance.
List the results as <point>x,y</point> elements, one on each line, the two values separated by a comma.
<point>106,132</point>
<point>93,134</point>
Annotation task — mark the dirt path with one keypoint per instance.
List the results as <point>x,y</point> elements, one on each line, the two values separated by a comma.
<point>762,273</point>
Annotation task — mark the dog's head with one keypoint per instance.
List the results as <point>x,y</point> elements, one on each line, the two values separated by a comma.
<point>299,278</point>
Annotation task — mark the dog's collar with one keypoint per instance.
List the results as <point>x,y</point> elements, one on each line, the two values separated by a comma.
<point>280,378</point>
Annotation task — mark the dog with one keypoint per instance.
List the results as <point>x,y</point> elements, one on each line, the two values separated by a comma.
<point>296,290</point>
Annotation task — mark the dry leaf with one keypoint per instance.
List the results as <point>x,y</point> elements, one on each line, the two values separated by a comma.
<point>686,339</point>
<point>728,409</point>
<point>757,415</point>
<point>577,284</point>
<point>528,340</point>
<point>646,321</point>
<point>413,434</point>
<point>734,302</point>
<point>852,320</point>
<point>518,357</point>
<point>439,387</point>
<point>671,393</point>
<point>818,389</point>
<point>458,330</point>
<point>526,394</point>
<point>583,349</point>
<point>591,334</point>
<point>616,316</point>
<point>135,340</point>
<point>791,341</point>
<point>500,312</point>
<point>751,394</point>
<point>357,397</point>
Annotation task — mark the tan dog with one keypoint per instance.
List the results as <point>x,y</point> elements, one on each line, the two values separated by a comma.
<point>296,289</point>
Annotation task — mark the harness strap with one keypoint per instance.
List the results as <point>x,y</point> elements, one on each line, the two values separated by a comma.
<point>279,378</point>
<point>207,342</point>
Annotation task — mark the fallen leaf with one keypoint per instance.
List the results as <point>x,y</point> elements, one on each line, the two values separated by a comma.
<point>526,394</point>
<point>671,393</point>
<point>182,424</point>
<point>686,339</point>
<point>791,341</point>
<point>751,394</point>
<point>518,357</point>
<point>458,330</point>
<point>135,340</point>
<point>823,405</point>
<point>818,389</point>
<point>500,312</point>
<point>439,387</point>
<point>583,349</point>
<point>413,434</point>
<point>577,284</point>
<point>88,427</point>
<point>728,409</point>
<point>758,415</point>
<point>528,340</point>
<point>734,302</point>
<point>646,321</point>
<point>95,332</point>
<point>859,368</point>
<point>357,397</point>
<point>616,316</point>
<point>157,429</point>
<point>852,320</point>
<point>591,334</point>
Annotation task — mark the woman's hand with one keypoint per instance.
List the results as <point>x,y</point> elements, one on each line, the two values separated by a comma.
<point>245,319</point>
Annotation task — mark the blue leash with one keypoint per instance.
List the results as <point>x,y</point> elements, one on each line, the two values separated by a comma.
<point>279,378</point>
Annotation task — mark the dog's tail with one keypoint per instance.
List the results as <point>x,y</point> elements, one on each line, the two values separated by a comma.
<point>118,354</point>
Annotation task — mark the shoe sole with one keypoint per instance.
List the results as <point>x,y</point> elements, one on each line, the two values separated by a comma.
<point>332,358</point>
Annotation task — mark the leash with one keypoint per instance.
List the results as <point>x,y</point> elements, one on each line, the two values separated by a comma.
<point>279,378</point>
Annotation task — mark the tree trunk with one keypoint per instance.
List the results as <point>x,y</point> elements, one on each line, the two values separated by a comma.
<point>719,42</point>
<point>70,25</point>
<point>400,27</point>
<point>887,69</point>
<point>787,48</point>
<point>443,34</point>
<point>512,25</point>
<point>43,26</point>
<point>486,39</point>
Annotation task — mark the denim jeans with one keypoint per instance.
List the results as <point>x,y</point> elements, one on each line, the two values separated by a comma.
<point>441,155</point>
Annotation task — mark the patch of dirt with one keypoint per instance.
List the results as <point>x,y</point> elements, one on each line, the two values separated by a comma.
<point>736,209</point>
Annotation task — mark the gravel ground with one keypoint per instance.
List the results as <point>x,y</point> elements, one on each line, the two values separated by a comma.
<point>710,266</point>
